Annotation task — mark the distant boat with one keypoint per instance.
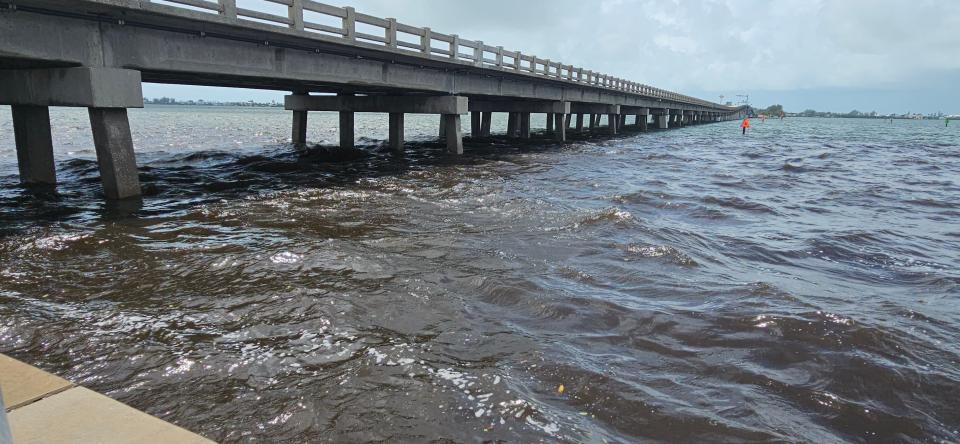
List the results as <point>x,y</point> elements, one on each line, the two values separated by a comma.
<point>953,117</point>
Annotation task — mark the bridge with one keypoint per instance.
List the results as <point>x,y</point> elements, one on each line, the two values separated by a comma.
<point>96,53</point>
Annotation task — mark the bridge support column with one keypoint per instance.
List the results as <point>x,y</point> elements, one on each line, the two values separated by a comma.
<point>31,129</point>
<point>346,129</point>
<point>106,92</point>
<point>524,125</point>
<point>298,133</point>
<point>518,122</point>
<point>475,123</point>
<point>396,132</point>
<point>449,107</point>
<point>513,124</point>
<point>594,112</point>
<point>566,121</point>
<point>114,144</point>
<point>623,121</point>
<point>560,127</point>
<point>451,123</point>
<point>299,136</point>
<point>347,134</point>
<point>485,123</point>
<point>663,121</point>
<point>550,122</point>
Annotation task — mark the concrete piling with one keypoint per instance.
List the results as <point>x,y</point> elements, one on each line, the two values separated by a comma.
<point>579,122</point>
<point>560,127</point>
<point>524,125</point>
<point>347,135</point>
<point>299,133</point>
<point>550,122</point>
<point>513,124</point>
<point>114,144</point>
<point>396,132</point>
<point>475,124</point>
<point>454,133</point>
<point>485,123</point>
<point>31,128</point>
<point>346,130</point>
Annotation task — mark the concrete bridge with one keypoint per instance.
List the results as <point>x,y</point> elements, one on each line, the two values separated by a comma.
<point>96,53</point>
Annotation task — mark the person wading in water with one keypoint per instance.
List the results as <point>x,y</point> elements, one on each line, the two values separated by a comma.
<point>744,125</point>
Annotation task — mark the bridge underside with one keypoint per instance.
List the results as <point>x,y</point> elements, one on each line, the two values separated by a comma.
<point>95,56</point>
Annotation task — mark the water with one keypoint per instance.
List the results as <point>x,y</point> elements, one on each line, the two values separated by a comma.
<point>799,284</point>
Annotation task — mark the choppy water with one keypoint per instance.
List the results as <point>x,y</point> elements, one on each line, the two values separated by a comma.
<point>798,284</point>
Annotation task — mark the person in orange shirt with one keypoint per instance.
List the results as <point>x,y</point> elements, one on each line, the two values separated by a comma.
<point>745,124</point>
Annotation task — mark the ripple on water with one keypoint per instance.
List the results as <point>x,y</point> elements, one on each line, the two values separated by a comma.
<point>691,285</point>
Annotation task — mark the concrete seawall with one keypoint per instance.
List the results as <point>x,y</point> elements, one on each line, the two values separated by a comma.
<point>44,408</point>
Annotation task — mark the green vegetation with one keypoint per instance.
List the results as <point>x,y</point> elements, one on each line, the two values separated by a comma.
<point>772,110</point>
<point>775,110</point>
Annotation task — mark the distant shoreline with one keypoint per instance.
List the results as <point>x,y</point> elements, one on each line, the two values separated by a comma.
<point>155,102</point>
<point>865,117</point>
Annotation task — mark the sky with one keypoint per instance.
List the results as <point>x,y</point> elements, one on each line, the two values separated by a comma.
<point>829,55</point>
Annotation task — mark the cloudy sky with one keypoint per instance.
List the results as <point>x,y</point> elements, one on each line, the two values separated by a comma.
<point>837,55</point>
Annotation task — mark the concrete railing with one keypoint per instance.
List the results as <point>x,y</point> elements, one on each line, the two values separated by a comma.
<point>309,16</point>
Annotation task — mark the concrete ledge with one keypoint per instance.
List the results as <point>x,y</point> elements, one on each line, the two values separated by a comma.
<point>43,408</point>
<point>87,87</point>
<point>22,384</point>
<point>519,106</point>
<point>378,104</point>
<point>81,415</point>
<point>593,108</point>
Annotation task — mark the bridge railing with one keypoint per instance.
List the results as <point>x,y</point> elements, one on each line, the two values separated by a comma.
<point>310,16</point>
